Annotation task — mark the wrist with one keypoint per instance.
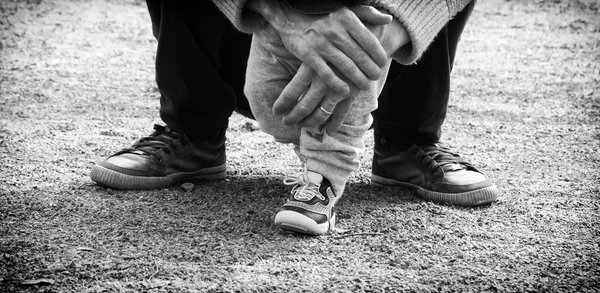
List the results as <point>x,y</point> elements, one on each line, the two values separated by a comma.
<point>402,38</point>
<point>394,36</point>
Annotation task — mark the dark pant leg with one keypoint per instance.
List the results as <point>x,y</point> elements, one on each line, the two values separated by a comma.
<point>198,87</point>
<point>412,106</point>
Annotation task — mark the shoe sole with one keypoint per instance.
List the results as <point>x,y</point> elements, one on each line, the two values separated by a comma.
<point>297,222</point>
<point>117,180</point>
<point>477,197</point>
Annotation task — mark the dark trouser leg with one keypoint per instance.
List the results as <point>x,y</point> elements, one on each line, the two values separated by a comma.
<point>408,122</point>
<point>200,66</point>
<point>199,91</point>
<point>412,106</point>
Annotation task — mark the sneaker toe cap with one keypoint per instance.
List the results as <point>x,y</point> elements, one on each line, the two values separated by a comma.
<point>298,222</point>
<point>129,164</point>
<point>463,177</point>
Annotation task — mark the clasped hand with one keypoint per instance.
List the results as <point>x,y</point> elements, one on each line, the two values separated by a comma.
<point>356,42</point>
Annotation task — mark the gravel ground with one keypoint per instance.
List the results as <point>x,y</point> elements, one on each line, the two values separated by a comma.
<point>76,85</point>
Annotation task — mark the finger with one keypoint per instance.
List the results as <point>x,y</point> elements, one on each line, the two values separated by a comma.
<point>315,119</point>
<point>347,67</point>
<point>368,41</point>
<point>360,58</point>
<point>294,90</point>
<point>323,112</point>
<point>326,73</point>
<point>309,102</point>
<point>370,15</point>
<point>339,116</point>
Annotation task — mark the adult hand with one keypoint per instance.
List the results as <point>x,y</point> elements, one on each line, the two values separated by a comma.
<point>313,102</point>
<point>392,36</point>
<point>318,104</point>
<point>303,79</point>
<point>327,41</point>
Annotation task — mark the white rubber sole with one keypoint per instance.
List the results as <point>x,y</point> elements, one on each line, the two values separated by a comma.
<point>117,180</point>
<point>297,222</point>
<point>476,197</point>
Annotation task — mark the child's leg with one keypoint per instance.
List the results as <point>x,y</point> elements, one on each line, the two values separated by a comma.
<point>337,154</point>
<point>328,159</point>
<point>266,77</point>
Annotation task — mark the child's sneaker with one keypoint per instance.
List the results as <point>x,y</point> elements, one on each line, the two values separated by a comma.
<point>310,208</point>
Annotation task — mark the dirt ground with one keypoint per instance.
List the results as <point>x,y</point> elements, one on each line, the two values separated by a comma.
<point>76,85</point>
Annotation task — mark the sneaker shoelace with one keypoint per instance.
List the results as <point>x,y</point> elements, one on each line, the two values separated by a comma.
<point>303,189</point>
<point>448,160</point>
<point>162,138</point>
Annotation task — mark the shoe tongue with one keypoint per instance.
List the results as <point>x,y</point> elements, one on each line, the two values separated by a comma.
<point>314,178</point>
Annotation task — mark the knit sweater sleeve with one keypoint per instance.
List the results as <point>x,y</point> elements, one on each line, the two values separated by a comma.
<point>243,19</point>
<point>423,20</point>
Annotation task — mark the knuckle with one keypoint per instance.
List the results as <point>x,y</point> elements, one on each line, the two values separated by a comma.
<point>326,74</point>
<point>349,68</point>
<point>303,110</point>
<point>367,66</point>
<point>288,97</point>
<point>368,39</point>
<point>361,57</point>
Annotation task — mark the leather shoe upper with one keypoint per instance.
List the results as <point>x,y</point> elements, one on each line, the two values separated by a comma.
<point>430,167</point>
<point>166,152</point>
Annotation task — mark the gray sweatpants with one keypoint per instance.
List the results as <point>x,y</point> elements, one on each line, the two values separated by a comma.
<point>334,156</point>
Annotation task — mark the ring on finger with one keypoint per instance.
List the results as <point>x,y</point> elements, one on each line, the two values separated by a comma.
<point>326,112</point>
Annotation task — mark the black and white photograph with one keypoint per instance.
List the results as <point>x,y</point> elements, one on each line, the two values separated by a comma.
<point>299,146</point>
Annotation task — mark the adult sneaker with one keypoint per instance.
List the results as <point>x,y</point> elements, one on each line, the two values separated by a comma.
<point>162,159</point>
<point>310,208</point>
<point>437,174</point>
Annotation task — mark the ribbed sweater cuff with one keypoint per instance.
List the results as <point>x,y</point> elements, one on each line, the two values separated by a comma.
<point>422,20</point>
<point>243,19</point>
